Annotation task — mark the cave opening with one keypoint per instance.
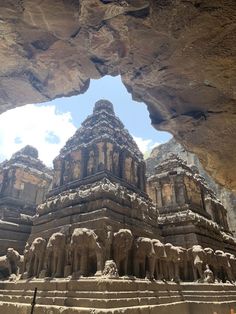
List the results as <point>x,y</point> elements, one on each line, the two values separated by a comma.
<point>47,126</point>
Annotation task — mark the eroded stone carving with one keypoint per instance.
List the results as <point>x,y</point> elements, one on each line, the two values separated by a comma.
<point>83,254</point>
<point>24,182</point>
<point>10,264</point>
<point>55,254</point>
<point>122,244</point>
<point>37,255</point>
<point>87,252</point>
<point>110,270</point>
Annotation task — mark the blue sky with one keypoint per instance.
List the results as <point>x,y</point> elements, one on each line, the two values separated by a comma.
<point>48,125</point>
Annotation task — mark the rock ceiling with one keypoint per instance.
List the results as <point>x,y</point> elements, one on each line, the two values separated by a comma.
<point>177,56</point>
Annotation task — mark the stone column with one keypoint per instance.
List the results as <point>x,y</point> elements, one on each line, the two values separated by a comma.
<point>172,181</point>
<point>181,196</point>
<point>84,160</point>
<point>157,187</point>
<point>142,178</point>
<point>105,155</point>
<point>96,158</point>
<point>122,164</point>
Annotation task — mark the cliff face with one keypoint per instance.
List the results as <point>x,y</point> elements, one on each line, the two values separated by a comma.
<point>227,198</point>
<point>176,56</point>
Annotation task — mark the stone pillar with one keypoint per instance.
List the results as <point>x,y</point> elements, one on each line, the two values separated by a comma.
<point>105,155</point>
<point>174,200</point>
<point>158,194</point>
<point>181,196</point>
<point>96,158</point>
<point>116,162</point>
<point>84,161</point>
<point>142,177</point>
<point>122,164</point>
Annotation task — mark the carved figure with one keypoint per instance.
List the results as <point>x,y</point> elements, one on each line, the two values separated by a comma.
<point>55,254</point>
<point>211,260</point>
<point>156,261</point>
<point>91,163</point>
<point>208,275</point>
<point>37,249</point>
<point>85,246</point>
<point>108,243</point>
<point>110,270</point>
<point>198,258</point>
<point>224,271</point>
<point>143,251</point>
<point>172,262</point>
<point>116,162</point>
<point>14,261</point>
<point>232,262</point>
<point>4,270</point>
<point>122,244</point>
<point>10,263</point>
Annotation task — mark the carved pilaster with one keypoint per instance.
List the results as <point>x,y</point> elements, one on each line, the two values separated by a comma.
<point>158,194</point>
<point>174,200</point>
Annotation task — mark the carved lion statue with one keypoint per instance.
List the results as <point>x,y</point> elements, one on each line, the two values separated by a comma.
<point>10,263</point>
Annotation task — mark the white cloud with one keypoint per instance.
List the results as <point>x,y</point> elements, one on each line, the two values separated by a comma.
<point>39,126</point>
<point>145,145</point>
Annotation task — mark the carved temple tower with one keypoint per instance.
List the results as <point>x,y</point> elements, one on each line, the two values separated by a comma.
<point>24,183</point>
<point>189,210</point>
<point>99,184</point>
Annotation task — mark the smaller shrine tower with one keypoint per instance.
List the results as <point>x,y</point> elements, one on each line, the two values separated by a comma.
<point>24,183</point>
<point>189,210</point>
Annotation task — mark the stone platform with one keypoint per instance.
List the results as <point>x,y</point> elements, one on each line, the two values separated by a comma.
<point>116,296</point>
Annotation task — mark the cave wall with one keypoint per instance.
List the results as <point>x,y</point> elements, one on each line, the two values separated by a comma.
<point>176,56</point>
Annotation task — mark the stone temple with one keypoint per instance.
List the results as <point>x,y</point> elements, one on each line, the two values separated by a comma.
<point>24,183</point>
<point>189,211</point>
<point>104,240</point>
<point>99,183</point>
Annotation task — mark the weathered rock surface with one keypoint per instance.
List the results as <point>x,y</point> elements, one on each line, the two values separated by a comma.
<point>161,152</point>
<point>24,183</point>
<point>176,56</point>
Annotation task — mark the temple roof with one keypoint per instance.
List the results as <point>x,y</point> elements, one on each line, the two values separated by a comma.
<point>174,164</point>
<point>27,157</point>
<point>102,125</point>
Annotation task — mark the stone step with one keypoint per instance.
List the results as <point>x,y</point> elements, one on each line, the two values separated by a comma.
<point>82,302</point>
<point>82,294</point>
<point>215,298</point>
<point>87,300</point>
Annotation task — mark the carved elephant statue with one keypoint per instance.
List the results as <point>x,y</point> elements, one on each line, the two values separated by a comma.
<point>86,250</point>
<point>28,255</point>
<point>198,261</point>
<point>224,270</point>
<point>173,260</point>
<point>37,253</point>
<point>211,260</point>
<point>122,243</point>
<point>143,251</point>
<point>55,254</point>
<point>232,261</point>
<point>157,260</point>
